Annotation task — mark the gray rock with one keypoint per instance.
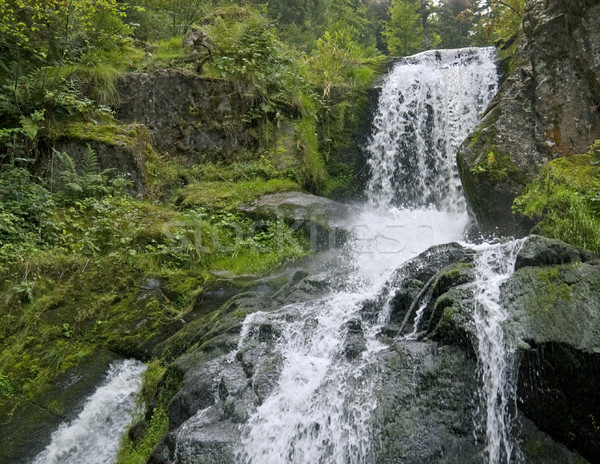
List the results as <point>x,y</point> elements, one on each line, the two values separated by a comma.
<point>542,251</point>
<point>424,412</point>
<point>196,118</point>
<point>324,220</point>
<point>546,108</point>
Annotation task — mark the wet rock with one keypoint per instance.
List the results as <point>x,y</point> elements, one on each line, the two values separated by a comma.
<point>558,391</point>
<point>553,302</point>
<point>539,447</point>
<point>355,342</point>
<point>546,108</point>
<point>542,251</point>
<point>424,412</point>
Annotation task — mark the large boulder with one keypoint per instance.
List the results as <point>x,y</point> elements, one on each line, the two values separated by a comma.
<point>548,107</point>
<point>189,116</point>
<point>553,321</point>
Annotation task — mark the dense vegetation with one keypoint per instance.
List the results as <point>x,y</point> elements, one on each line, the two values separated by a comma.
<point>77,248</point>
<point>563,202</point>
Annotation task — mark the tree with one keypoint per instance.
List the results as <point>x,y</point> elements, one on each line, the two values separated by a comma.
<point>403,32</point>
<point>454,21</point>
<point>497,20</point>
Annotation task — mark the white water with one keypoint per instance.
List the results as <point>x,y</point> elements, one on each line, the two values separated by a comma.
<point>493,266</point>
<point>428,106</point>
<point>93,438</point>
<point>320,411</point>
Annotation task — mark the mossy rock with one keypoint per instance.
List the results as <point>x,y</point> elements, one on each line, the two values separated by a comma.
<point>121,149</point>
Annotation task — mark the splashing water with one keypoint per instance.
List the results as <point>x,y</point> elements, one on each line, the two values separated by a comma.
<point>429,103</point>
<point>494,264</point>
<point>320,410</point>
<point>93,438</point>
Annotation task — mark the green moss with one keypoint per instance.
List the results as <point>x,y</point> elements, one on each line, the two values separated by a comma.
<point>159,386</point>
<point>564,201</point>
<point>313,169</point>
<point>232,194</point>
<point>495,167</point>
<point>555,291</point>
<point>110,133</point>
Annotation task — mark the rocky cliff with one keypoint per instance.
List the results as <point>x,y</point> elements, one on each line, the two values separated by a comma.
<point>427,382</point>
<point>548,107</point>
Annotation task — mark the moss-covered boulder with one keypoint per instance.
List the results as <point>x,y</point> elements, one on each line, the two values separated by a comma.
<point>189,116</point>
<point>546,108</point>
<point>120,149</point>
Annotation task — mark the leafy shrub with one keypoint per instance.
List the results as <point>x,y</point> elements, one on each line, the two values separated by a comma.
<point>564,201</point>
<point>25,205</point>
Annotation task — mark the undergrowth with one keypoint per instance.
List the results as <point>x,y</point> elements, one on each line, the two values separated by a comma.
<point>564,200</point>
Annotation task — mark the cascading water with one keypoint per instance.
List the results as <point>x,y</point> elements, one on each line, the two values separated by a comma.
<point>428,105</point>
<point>320,410</point>
<point>94,437</point>
<point>493,266</point>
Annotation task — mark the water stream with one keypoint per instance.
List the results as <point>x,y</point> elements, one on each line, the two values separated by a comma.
<point>493,266</point>
<point>94,436</point>
<point>320,411</point>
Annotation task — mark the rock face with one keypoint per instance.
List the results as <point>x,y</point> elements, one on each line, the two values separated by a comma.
<point>426,381</point>
<point>553,303</point>
<point>548,107</point>
<point>197,118</point>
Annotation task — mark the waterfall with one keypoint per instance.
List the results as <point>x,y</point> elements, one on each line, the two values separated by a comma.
<point>429,103</point>
<point>94,436</point>
<point>320,409</point>
<point>493,266</point>
<point>326,367</point>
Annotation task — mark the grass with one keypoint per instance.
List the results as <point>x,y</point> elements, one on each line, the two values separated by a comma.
<point>564,201</point>
<point>232,194</point>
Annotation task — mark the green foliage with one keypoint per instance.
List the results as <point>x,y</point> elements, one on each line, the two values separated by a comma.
<point>564,201</point>
<point>25,208</point>
<point>89,180</point>
<point>453,23</point>
<point>495,167</point>
<point>497,20</point>
<point>162,19</point>
<point>338,60</point>
<point>403,32</point>
<point>249,53</point>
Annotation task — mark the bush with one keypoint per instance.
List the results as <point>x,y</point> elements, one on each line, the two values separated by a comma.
<point>564,201</point>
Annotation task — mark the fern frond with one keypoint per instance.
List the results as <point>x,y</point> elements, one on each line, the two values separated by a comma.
<point>90,165</point>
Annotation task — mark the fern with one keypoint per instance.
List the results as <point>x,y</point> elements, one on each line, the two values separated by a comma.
<point>89,180</point>
<point>90,166</point>
<point>68,175</point>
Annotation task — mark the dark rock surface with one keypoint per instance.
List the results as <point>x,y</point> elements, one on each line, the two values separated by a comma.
<point>425,412</point>
<point>30,429</point>
<point>553,302</point>
<point>190,116</point>
<point>549,106</point>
